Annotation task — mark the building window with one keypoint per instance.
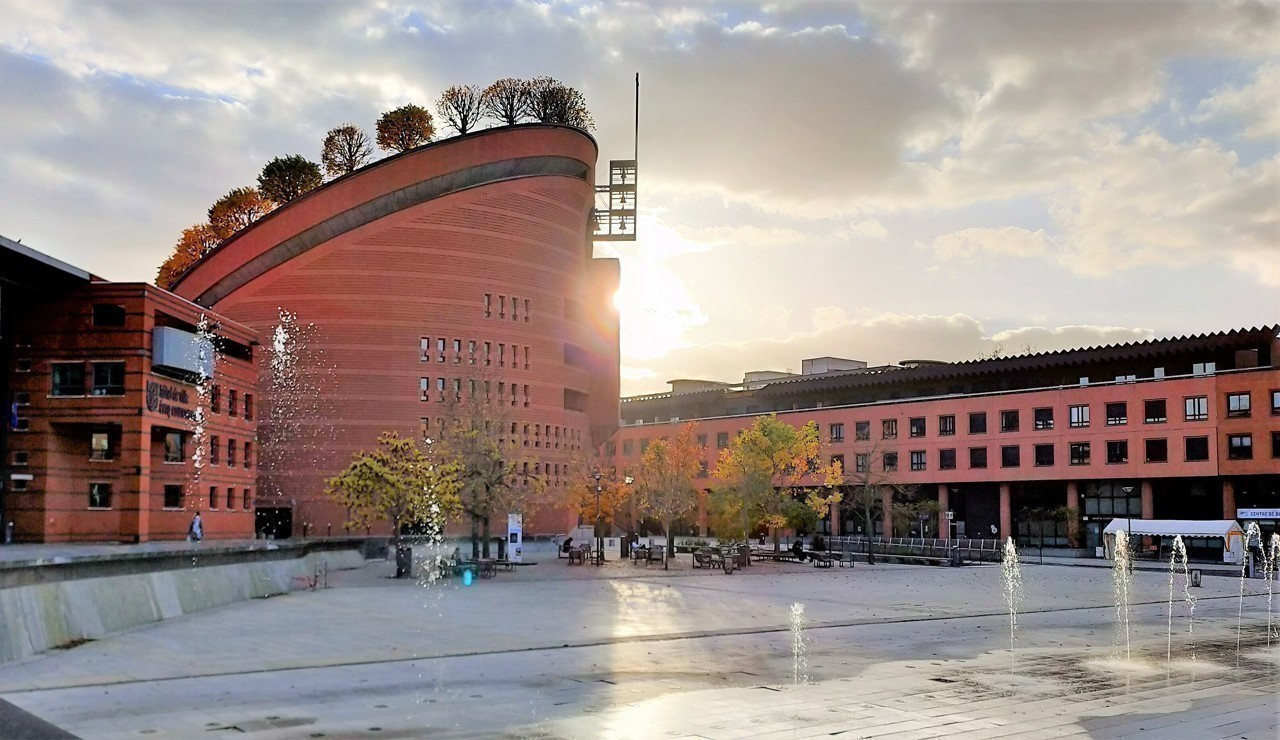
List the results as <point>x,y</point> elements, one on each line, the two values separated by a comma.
<point>488,305</point>
<point>1117,451</point>
<point>1043,455</point>
<point>1238,405</point>
<point>106,314</point>
<point>526,357</point>
<point>215,449</point>
<point>837,432</point>
<point>1079,452</point>
<point>20,458</point>
<point>1117,414</point>
<point>172,497</point>
<point>947,459</point>
<point>1197,408</point>
<point>22,365</point>
<point>99,495</point>
<point>1111,498</point>
<point>1204,368</point>
<point>1197,449</point>
<point>915,427</point>
<point>68,379</point>
<point>1010,456</point>
<point>440,388</point>
<point>22,398</point>
<point>917,459</point>
<point>213,497</point>
<point>890,461</point>
<point>471,351</point>
<point>1154,411</point>
<point>246,498</point>
<point>1079,416</point>
<point>502,307</point>
<point>22,424</point>
<point>1275,403</point>
<point>627,447</point>
<point>978,422</point>
<point>215,398</point>
<point>100,446</point>
<point>977,457</point>
<point>1239,446</point>
<point>232,402</point>
<point>889,429</point>
<point>502,354</point>
<point>1009,420</point>
<point>946,425</point>
<point>1275,444</point>
<point>1043,418</point>
<point>424,389</point>
<point>722,440</point>
<point>526,310</point>
<point>108,378</point>
<point>644,441</point>
<point>1157,450</point>
<point>861,463</point>
<point>174,449</point>
<point>248,454</point>
<point>838,460</point>
<point>424,349</point>
<point>248,407</point>
<point>457,351</point>
<point>515,308</point>
<point>862,430</point>
<point>440,349</point>
<point>231,499</point>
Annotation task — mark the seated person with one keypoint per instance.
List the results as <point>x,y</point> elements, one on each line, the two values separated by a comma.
<point>567,546</point>
<point>797,549</point>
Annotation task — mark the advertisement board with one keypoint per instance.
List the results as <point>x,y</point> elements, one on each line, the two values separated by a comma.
<point>515,537</point>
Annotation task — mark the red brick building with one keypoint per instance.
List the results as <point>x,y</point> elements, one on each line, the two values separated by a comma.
<point>461,267</point>
<point>99,444</point>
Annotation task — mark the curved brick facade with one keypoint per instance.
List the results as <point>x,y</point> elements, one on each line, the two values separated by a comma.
<point>473,241</point>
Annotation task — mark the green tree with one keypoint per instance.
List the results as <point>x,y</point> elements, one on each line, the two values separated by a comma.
<point>345,149</point>
<point>236,210</point>
<point>398,482</point>
<point>460,107</point>
<point>767,465</point>
<point>405,128</point>
<point>665,480</point>
<point>552,101</point>
<point>506,101</point>
<point>195,242</point>
<point>285,178</point>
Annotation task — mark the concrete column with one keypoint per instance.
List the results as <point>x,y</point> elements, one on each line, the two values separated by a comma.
<point>1073,522</point>
<point>886,507</point>
<point>944,503</point>
<point>1006,511</point>
<point>1228,499</point>
<point>702,512</point>
<point>1148,501</point>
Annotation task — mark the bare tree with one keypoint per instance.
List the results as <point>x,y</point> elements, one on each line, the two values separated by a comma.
<point>345,149</point>
<point>552,101</point>
<point>506,101</point>
<point>866,485</point>
<point>460,107</point>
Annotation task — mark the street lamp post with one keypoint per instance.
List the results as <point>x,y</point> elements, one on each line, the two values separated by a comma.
<point>599,539</point>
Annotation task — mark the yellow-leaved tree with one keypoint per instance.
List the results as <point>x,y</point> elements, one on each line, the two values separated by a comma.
<point>766,465</point>
<point>666,480</point>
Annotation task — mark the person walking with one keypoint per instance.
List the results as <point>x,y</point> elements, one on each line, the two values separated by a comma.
<point>195,532</point>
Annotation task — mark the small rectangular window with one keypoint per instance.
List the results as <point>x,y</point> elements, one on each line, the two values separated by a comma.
<point>215,449</point>
<point>488,304</point>
<point>424,349</point>
<point>1157,450</point>
<point>1009,420</point>
<point>457,351</point>
<point>22,398</point>
<point>172,497</point>
<point>526,310</point>
<point>99,495</point>
<point>424,389</point>
<point>20,458</point>
<point>977,457</point>
<point>947,459</point>
<point>1079,453</point>
<point>1044,455</point>
<point>978,422</point>
<point>471,351</point>
<point>1275,403</point>
<point>1154,411</point>
<point>1197,408</point>
<point>22,365</point>
<point>1239,405</point>
<point>861,463</point>
<point>174,448</point>
<point>248,407</point>
<point>1117,451</point>
<point>515,308</point>
<point>231,498</point>
<point>233,402</point>
<point>1079,416</point>
<point>487,351</point>
<point>502,307</point>
<point>213,497</point>
<point>1043,418</point>
<point>916,427</point>
<point>722,440</point>
<point>1275,444</point>
<point>917,460</point>
<point>1239,446</point>
<point>946,425</point>
<point>215,398</point>
<point>1197,449</point>
<point>627,447</point>
<point>502,354</point>
<point>248,454</point>
<point>837,432</point>
<point>1204,368</point>
<point>108,378</point>
<point>440,342</point>
<point>889,428</point>
<point>890,461</point>
<point>1010,456</point>
<point>246,499</point>
<point>105,314</point>
<point>100,446</point>
<point>862,430</point>
<point>1117,413</point>
<point>67,378</point>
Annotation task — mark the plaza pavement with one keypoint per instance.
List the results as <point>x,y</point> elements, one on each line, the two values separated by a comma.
<point>623,651</point>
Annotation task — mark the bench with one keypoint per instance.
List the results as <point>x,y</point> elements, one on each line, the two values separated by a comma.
<point>846,558</point>
<point>821,559</point>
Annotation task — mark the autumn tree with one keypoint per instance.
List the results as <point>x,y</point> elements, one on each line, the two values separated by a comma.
<point>405,128</point>
<point>495,476</point>
<point>285,178</point>
<point>400,482</point>
<point>767,464</point>
<point>460,107</point>
<point>345,149</point>
<point>236,210</point>
<point>195,242</point>
<point>666,480</point>
<point>552,101</point>
<point>506,101</point>
<point>579,493</point>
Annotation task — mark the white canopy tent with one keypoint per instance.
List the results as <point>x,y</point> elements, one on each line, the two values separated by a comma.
<point>1228,529</point>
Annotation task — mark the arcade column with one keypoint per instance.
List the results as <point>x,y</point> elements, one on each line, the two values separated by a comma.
<point>1148,501</point>
<point>886,509</point>
<point>1228,499</point>
<point>944,505</point>
<point>1006,511</point>
<point>1073,516</point>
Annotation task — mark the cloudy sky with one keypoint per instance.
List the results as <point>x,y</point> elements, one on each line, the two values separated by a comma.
<point>878,181</point>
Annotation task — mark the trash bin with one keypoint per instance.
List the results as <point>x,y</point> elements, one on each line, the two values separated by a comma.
<point>1195,577</point>
<point>404,561</point>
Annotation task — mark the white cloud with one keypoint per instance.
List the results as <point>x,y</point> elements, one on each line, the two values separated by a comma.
<point>1008,241</point>
<point>867,228</point>
<point>1255,107</point>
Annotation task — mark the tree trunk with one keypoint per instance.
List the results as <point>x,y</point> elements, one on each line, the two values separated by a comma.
<point>671,543</point>
<point>475,537</point>
<point>485,548</point>
<point>777,545</point>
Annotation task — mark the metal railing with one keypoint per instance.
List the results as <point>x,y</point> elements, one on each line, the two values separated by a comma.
<point>966,550</point>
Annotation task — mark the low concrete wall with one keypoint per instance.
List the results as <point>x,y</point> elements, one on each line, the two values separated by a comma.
<point>44,615</point>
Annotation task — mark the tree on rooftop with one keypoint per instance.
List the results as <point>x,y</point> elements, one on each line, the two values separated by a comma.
<point>506,101</point>
<point>236,210</point>
<point>460,107</point>
<point>552,101</point>
<point>665,480</point>
<point>285,178</point>
<point>412,487</point>
<point>345,149</point>
<point>405,128</point>
<point>195,242</point>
